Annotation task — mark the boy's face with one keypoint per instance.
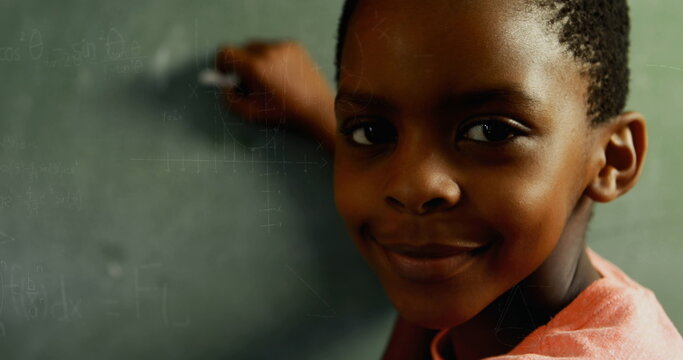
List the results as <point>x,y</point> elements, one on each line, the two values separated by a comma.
<point>467,129</point>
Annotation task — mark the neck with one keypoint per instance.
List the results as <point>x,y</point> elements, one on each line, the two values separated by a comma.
<point>535,300</point>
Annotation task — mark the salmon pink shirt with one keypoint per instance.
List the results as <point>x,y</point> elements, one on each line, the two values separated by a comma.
<point>613,318</point>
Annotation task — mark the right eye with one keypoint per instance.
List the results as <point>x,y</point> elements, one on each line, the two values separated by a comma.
<point>371,133</point>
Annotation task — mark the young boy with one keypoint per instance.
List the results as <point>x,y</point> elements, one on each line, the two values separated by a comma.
<point>470,142</point>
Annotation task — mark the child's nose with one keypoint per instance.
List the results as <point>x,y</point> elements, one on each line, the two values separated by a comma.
<point>421,184</point>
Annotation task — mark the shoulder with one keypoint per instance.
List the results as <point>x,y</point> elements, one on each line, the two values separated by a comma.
<point>614,318</point>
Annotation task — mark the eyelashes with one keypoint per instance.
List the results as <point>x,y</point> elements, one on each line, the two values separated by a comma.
<point>370,132</point>
<point>485,130</point>
<point>494,130</point>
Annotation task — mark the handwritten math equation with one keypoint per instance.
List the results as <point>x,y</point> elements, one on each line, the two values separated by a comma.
<point>37,293</point>
<point>111,49</point>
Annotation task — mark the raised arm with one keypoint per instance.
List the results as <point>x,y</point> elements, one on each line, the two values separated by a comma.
<point>280,82</point>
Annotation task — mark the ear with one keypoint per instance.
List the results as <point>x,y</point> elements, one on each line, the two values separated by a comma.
<point>622,145</point>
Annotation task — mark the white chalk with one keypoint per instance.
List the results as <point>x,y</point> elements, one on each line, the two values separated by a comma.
<point>211,77</point>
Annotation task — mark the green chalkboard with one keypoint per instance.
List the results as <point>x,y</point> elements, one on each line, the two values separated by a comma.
<point>140,219</point>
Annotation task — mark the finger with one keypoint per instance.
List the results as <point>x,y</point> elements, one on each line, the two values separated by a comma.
<point>237,61</point>
<point>232,59</point>
<point>241,104</point>
<point>258,48</point>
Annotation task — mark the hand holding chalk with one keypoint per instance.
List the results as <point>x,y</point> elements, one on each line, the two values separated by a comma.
<point>210,77</point>
<point>230,82</point>
<point>275,83</point>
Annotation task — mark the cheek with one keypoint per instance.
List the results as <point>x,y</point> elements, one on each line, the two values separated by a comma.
<point>351,194</point>
<point>529,212</point>
<point>534,227</point>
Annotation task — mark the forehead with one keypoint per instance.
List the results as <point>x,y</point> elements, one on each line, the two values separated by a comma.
<point>417,50</point>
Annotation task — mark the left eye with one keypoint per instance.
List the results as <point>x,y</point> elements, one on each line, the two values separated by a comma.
<point>491,131</point>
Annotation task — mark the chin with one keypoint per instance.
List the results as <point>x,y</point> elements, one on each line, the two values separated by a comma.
<point>435,316</point>
<point>435,321</point>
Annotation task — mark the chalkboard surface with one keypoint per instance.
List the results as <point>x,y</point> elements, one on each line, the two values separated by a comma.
<point>140,219</point>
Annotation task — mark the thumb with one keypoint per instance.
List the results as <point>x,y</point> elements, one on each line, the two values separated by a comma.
<point>241,63</point>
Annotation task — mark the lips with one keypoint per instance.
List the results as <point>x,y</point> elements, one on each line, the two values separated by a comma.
<point>431,262</point>
<point>428,250</point>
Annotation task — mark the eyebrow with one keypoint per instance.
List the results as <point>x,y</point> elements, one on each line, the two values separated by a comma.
<point>361,100</point>
<point>511,95</point>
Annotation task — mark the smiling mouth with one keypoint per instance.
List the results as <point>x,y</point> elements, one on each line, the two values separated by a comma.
<point>429,263</point>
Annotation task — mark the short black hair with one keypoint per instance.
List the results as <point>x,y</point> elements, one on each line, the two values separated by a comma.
<point>596,34</point>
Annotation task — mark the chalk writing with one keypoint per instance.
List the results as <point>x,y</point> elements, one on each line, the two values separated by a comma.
<point>141,288</point>
<point>26,290</point>
<point>8,54</point>
<point>116,44</point>
<point>33,200</point>
<point>29,296</point>
<point>32,171</point>
<point>35,46</point>
<point>164,311</point>
<point>118,54</point>
<point>15,143</point>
